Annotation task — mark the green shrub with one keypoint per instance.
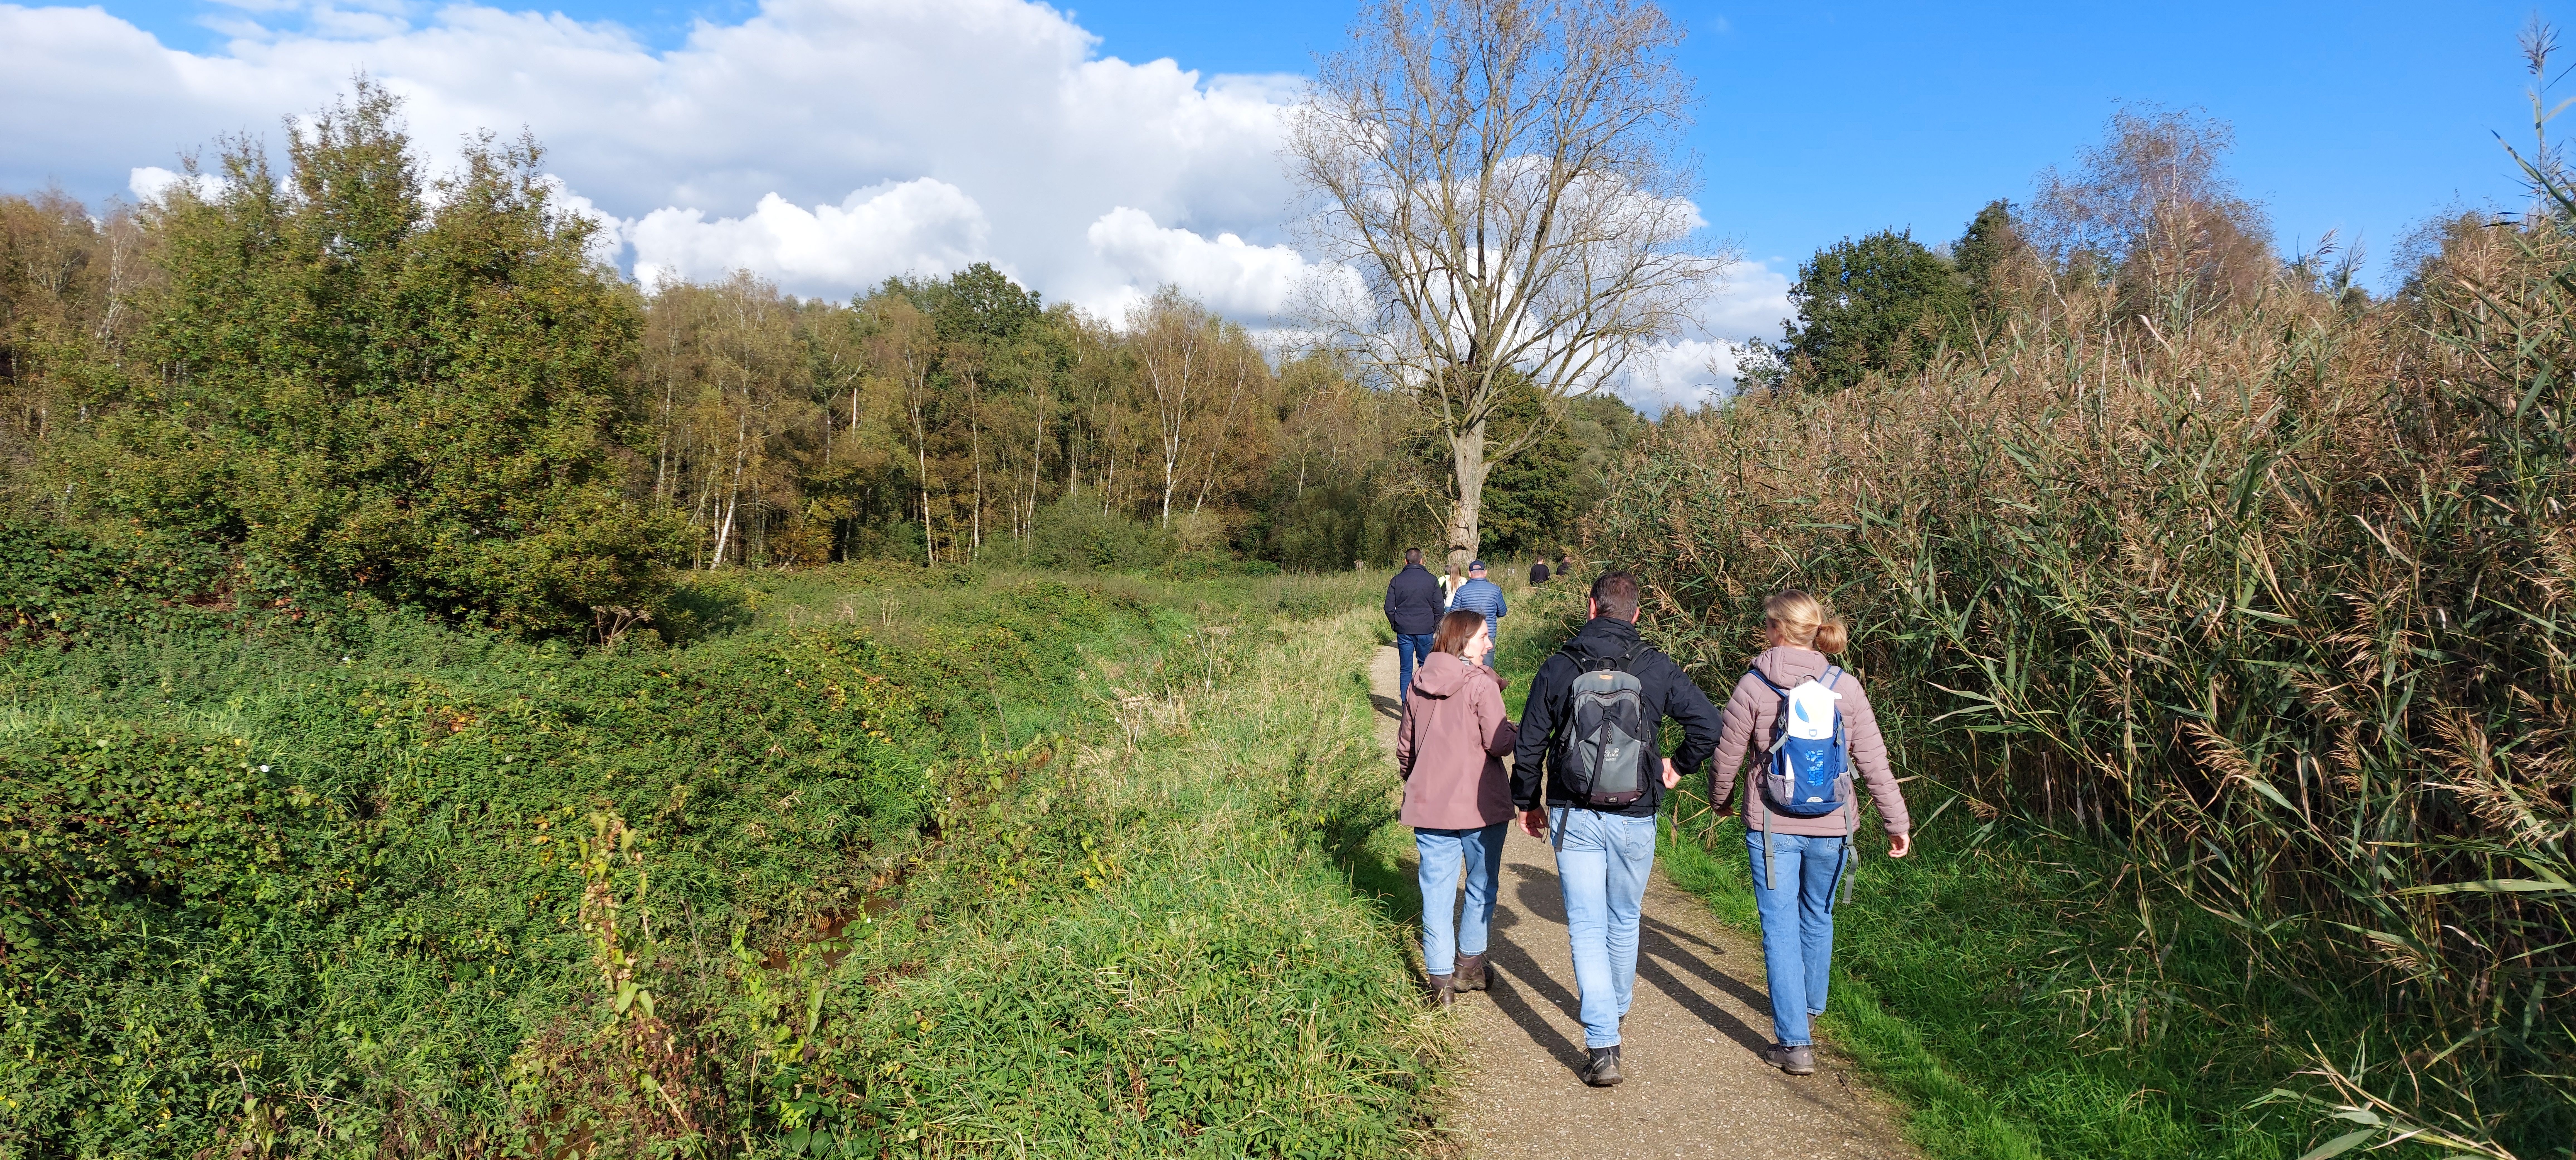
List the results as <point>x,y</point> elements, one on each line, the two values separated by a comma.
<point>365,384</point>
<point>1074,533</point>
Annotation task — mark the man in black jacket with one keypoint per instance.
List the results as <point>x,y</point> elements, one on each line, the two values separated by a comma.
<point>1603,855</point>
<point>1413,608</point>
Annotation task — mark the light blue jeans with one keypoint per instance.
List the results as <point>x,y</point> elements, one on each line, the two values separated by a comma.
<point>1602,861</point>
<point>1446,933</point>
<point>1797,925</point>
<point>1410,649</point>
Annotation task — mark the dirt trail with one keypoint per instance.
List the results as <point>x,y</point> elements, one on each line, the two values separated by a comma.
<point>1696,1085</point>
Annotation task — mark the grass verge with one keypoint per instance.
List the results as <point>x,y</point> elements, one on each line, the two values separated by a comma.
<point>887,864</point>
<point>1215,985</point>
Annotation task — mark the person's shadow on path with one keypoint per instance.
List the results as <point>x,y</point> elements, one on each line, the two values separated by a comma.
<point>1517,984</point>
<point>1659,950</point>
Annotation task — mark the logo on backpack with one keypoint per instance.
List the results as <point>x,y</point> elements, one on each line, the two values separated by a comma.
<point>1603,761</point>
<point>1809,773</point>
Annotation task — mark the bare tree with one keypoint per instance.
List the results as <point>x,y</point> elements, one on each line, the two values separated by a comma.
<point>2153,206</point>
<point>1499,187</point>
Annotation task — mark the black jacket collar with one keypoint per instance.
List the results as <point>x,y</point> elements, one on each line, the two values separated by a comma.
<point>1603,636</point>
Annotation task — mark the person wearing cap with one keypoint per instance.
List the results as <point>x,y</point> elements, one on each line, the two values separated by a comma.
<point>1481,595</point>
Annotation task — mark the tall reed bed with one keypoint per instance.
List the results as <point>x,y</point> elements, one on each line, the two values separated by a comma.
<point>2270,597</point>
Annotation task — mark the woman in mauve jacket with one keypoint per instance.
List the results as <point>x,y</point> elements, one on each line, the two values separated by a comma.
<point>1798,861</point>
<point>1449,747</point>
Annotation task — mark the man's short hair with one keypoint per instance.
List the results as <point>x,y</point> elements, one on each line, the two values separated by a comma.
<point>1413,555</point>
<point>1615,595</point>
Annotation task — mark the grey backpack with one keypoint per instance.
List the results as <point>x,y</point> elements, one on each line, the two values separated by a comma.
<point>1603,759</point>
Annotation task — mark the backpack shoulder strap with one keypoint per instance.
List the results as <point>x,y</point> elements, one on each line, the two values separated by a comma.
<point>1767,682</point>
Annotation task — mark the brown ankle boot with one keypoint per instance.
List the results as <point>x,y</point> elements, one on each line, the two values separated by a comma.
<point>1444,990</point>
<point>1471,973</point>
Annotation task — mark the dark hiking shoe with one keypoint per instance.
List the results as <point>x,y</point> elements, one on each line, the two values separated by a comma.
<point>1471,973</point>
<point>1799,1060</point>
<point>1601,1067</point>
<point>1444,990</point>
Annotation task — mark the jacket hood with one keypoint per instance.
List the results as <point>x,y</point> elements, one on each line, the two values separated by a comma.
<point>1787,666</point>
<point>1440,675</point>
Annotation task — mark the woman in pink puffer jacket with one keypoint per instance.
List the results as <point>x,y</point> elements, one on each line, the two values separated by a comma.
<point>1457,797</point>
<point>1798,860</point>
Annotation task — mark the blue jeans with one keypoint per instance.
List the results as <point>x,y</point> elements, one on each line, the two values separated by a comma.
<point>1447,934</point>
<point>1602,861</point>
<point>1410,649</point>
<point>1797,925</point>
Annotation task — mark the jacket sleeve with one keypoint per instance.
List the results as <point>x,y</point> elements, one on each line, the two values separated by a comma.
<point>1404,739</point>
<point>1735,735</point>
<point>1869,752</point>
<point>1493,721</point>
<point>1701,725</point>
<point>1390,598</point>
<point>1538,717</point>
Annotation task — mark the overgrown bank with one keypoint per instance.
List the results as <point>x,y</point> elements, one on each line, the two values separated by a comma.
<point>915,869</point>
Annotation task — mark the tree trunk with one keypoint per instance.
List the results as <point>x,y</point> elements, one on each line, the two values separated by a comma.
<point>975,446</point>
<point>1467,456</point>
<point>1037,459</point>
<point>733,497</point>
<point>921,461</point>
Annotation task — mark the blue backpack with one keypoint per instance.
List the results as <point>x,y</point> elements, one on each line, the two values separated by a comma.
<point>1809,773</point>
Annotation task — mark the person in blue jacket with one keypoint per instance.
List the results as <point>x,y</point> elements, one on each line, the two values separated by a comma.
<point>1413,610</point>
<point>1481,595</point>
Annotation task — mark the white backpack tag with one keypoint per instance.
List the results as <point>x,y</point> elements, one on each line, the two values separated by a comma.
<point>1811,712</point>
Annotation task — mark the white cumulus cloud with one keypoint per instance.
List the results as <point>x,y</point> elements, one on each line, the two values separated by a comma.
<point>922,226</point>
<point>1754,302</point>
<point>970,129</point>
<point>1232,276</point>
<point>149,182</point>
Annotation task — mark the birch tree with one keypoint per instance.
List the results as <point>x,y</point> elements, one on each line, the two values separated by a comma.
<point>1172,335</point>
<point>1504,184</point>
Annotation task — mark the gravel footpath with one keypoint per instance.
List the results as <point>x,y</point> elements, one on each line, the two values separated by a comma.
<point>1696,1084</point>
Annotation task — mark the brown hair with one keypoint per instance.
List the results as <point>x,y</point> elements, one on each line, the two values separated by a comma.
<point>1614,595</point>
<point>1456,629</point>
<point>1807,622</point>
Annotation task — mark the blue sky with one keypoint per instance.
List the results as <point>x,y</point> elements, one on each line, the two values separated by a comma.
<point>1826,119</point>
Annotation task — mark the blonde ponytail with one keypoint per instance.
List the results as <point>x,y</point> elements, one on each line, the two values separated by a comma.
<point>1805,621</point>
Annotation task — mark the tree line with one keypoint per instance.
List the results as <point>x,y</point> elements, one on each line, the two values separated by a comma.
<point>343,378</point>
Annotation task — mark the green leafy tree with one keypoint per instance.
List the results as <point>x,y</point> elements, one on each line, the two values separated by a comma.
<point>1882,303</point>
<point>371,392</point>
<point>1533,500</point>
<point>1991,240</point>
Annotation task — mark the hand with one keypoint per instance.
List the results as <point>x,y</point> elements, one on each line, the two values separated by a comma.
<point>1899,845</point>
<point>1726,809</point>
<point>1672,776</point>
<point>1534,823</point>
